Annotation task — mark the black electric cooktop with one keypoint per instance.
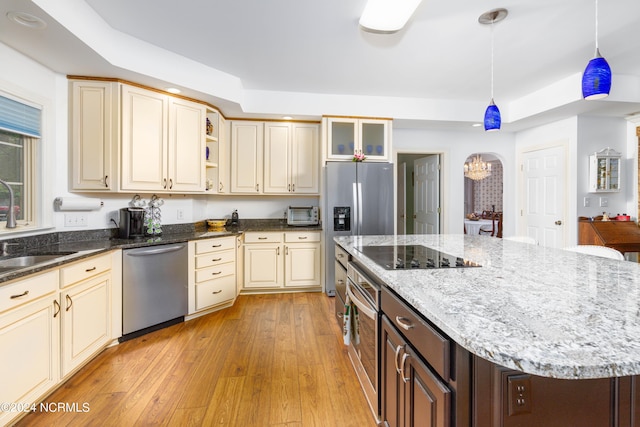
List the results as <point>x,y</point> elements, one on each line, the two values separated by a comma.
<point>413,257</point>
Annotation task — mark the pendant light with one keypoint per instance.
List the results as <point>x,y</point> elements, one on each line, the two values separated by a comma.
<point>596,80</point>
<point>492,119</point>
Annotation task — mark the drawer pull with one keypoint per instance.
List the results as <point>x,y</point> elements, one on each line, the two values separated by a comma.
<point>90,269</point>
<point>216,246</point>
<point>24,294</point>
<point>216,273</point>
<point>216,292</point>
<point>404,323</point>
<point>216,259</point>
<point>262,238</point>
<point>302,237</point>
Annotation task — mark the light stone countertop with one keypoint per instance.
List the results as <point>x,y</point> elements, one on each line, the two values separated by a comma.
<point>543,311</point>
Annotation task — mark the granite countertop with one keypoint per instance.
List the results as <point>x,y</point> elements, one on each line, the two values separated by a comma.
<point>543,311</point>
<point>93,242</point>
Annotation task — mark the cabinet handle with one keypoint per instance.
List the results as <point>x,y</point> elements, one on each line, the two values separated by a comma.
<point>170,184</point>
<point>286,250</point>
<point>216,259</point>
<point>164,183</point>
<point>396,358</point>
<point>278,250</point>
<point>69,303</point>
<point>257,188</point>
<point>90,269</point>
<point>302,237</point>
<point>289,187</point>
<point>340,255</point>
<point>56,305</point>
<point>216,246</point>
<point>221,187</point>
<point>217,292</point>
<point>402,364</point>
<point>216,273</point>
<point>404,323</point>
<point>106,180</point>
<point>262,238</point>
<point>24,294</point>
<point>293,188</point>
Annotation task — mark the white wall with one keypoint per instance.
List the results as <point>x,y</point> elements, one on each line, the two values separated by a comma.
<point>455,147</point>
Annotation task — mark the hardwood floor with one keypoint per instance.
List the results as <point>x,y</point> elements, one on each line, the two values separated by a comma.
<point>270,360</point>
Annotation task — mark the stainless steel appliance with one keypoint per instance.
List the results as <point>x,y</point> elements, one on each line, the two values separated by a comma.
<point>359,201</point>
<point>154,288</point>
<point>303,215</point>
<point>131,223</point>
<point>399,257</point>
<point>364,294</point>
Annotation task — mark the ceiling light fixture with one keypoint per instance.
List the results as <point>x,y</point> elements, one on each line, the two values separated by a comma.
<point>387,16</point>
<point>596,80</point>
<point>173,90</point>
<point>26,20</point>
<point>477,169</point>
<point>492,119</point>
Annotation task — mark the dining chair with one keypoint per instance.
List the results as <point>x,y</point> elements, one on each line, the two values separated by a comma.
<point>602,251</point>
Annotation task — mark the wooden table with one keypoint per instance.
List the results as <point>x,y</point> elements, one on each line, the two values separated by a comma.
<point>473,227</point>
<point>623,236</point>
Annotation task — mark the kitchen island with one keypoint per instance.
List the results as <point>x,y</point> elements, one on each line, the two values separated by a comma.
<point>530,318</point>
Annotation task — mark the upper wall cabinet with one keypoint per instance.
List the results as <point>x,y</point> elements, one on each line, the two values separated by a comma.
<point>127,138</point>
<point>247,140</point>
<point>94,129</point>
<point>346,136</point>
<point>163,146</point>
<point>604,171</point>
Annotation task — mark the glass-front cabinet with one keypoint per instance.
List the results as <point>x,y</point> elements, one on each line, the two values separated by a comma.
<point>347,136</point>
<point>605,171</point>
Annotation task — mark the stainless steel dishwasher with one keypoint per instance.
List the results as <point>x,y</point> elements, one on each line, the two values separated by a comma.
<point>154,288</point>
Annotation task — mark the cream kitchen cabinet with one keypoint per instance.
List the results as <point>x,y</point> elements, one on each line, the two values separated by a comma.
<point>291,158</point>
<point>217,153</point>
<point>163,142</point>
<point>94,129</point>
<point>212,273</point>
<point>86,310</point>
<point>30,341</point>
<point>275,260</point>
<point>247,140</point>
<point>346,136</point>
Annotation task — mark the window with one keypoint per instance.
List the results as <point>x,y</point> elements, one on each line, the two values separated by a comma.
<point>19,135</point>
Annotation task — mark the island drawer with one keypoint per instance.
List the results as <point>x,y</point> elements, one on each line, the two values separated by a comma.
<point>342,256</point>
<point>431,344</point>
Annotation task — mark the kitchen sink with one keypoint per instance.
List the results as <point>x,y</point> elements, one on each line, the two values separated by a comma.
<point>15,262</point>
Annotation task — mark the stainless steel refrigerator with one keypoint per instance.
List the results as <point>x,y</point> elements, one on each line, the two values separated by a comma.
<point>358,201</point>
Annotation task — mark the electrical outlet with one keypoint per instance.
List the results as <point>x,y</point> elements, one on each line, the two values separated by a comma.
<point>587,202</point>
<point>180,214</point>
<point>604,202</point>
<point>76,219</point>
<point>519,389</point>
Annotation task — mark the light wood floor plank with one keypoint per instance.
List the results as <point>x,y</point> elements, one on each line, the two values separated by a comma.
<point>270,360</point>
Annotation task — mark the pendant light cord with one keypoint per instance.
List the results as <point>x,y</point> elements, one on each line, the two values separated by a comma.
<point>596,25</point>
<point>492,21</point>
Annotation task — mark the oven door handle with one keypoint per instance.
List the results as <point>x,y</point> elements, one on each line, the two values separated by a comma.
<point>363,307</point>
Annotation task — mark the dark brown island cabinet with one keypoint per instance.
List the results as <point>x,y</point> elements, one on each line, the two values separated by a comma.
<point>428,380</point>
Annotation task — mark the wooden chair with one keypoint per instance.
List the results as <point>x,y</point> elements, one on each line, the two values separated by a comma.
<point>496,225</point>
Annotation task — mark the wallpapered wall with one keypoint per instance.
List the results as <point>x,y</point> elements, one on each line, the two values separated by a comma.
<point>488,191</point>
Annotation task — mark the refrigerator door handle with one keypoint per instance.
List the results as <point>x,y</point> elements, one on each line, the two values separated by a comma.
<point>360,208</point>
<point>356,211</point>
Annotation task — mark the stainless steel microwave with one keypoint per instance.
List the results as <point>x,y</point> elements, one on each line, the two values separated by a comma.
<point>303,215</point>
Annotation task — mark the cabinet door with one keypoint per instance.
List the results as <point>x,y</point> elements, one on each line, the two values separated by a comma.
<point>263,266</point>
<point>342,138</point>
<point>304,159</point>
<point>29,360</point>
<point>86,320</point>
<point>277,140</point>
<point>94,120</point>
<point>374,139</point>
<point>246,157</point>
<point>302,264</point>
<point>186,168</point>
<point>144,140</point>
<point>391,390</point>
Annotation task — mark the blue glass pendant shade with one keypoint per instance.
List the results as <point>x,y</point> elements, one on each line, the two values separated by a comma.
<point>596,80</point>
<point>492,118</point>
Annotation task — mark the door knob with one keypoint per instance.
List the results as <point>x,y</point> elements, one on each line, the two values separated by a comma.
<point>558,222</point>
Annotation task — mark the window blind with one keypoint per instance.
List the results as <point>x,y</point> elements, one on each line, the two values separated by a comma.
<point>19,118</point>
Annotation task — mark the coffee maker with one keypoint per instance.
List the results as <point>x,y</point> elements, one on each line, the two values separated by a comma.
<point>131,223</point>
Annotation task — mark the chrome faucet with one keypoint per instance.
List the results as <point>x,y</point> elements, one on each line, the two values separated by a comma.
<point>11,215</point>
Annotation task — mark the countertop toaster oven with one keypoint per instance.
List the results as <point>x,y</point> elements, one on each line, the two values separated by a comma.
<point>303,215</point>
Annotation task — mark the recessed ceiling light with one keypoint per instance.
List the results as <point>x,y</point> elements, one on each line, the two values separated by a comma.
<point>173,90</point>
<point>26,20</point>
<point>287,117</point>
<point>476,125</point>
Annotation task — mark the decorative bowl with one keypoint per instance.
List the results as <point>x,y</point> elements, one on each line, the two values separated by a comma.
<point>216,223</point>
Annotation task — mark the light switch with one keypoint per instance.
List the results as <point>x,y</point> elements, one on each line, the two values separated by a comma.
<point>604,202</point>
<point>587,202</point>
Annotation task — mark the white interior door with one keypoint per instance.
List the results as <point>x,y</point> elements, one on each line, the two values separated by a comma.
<point>401,191</point>
<point>427,195</point>
<point>544,194</point>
